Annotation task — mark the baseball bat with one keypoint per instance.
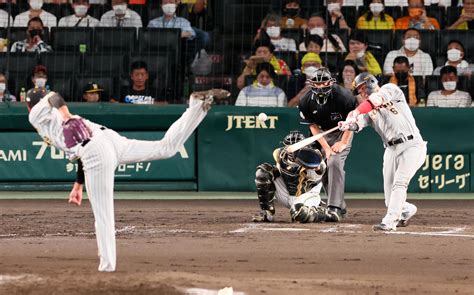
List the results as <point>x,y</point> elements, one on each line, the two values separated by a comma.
<point>300,144</point>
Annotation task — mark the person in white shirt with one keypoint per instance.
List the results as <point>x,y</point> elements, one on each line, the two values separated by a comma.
<point>262,92</point>
<point>450,97</point>
<point>455,54</point>
<point>120,16</point>
<point>271,25</point>
<point>316,25</point>
<point>48,19</point>
<point>420,62</point>
<point>4,19</point>
<point>80,18</point>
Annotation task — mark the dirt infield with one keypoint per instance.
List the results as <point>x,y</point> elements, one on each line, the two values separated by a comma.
<point>168,247</point>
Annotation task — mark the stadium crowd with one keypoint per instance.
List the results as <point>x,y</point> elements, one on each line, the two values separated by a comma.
<point>142,51</point>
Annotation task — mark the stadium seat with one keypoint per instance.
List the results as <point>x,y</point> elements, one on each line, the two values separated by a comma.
<point>14,8</point>
<point>107,64</point>
<point>244,18</point>
<point>380,41</point>
<point>61,64</point>
<point>394,11</point>
<point>59,10</point>
<point>429,41</point>
<point>288,57</point>
<point>466,37</point>
<point>437,12</point>
<point>71,39</point>
<point>452,15</point>
<point>157,40</point>
<point>343,34</point>
<point>63,85</point>
<point>108,83</point>
<point>19,62</point>
<point>332,60</point>
<point>114,39</point>
<point>142,10</point>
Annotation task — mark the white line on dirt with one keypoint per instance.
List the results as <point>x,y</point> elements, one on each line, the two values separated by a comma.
<point>450,232</point>
<point>26,278</point>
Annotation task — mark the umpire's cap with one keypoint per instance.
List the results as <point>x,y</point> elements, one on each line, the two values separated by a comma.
<point>308,157</point>
<point>34,95</point>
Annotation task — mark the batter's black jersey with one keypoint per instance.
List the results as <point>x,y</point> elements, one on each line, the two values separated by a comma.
<point>339,104</point>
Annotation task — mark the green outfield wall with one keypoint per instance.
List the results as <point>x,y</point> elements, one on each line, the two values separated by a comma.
<point>229,144</point>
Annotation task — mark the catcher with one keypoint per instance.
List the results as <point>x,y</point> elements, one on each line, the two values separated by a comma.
<point>295,181</point>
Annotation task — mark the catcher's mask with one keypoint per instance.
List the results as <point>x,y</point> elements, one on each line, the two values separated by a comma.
<point>321,84</point>
<point>34,95</point>
<point>366,79</point>
<point>293,137</point>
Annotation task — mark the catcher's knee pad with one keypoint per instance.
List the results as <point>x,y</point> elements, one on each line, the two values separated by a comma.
<point>265,187</point>
<point>305,214</point>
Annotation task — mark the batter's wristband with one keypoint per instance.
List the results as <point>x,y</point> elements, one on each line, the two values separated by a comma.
<point>80,173</point>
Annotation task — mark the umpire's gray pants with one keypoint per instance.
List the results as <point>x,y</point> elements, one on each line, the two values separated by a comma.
<point>335,177</point>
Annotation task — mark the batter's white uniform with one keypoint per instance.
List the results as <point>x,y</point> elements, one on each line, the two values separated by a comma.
<point>405,150</point>
<point>101,156</point>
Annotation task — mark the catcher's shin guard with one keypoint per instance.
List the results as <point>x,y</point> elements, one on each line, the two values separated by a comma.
<point>305,214</point>
<point>265,187</point>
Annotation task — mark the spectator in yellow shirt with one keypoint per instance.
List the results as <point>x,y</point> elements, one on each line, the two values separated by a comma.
<point>375,18</point>
<point>465,21</point>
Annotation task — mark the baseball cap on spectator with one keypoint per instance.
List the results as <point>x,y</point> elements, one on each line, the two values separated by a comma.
<point>92,87</point>
<point>40,68</point>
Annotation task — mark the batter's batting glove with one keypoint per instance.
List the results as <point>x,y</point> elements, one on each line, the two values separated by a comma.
<point>75,131</point>
<point>349,124</point>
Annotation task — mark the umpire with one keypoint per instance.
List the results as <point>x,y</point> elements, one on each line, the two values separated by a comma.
<point>322,108</point>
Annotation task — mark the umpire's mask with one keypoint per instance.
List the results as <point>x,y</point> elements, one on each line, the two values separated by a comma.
<point>321,84</point>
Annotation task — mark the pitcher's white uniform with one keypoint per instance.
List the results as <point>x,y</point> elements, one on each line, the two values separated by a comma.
<point>405,150</point>
<point>101,156</point>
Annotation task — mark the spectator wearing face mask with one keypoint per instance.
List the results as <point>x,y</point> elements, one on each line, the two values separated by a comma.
<point>375,18</point>
<point>170,20</point>
<point>271,26</point>
<point>455,55</point>
<point>310,63</point>
<point>34,41</point>
<point>291,15</point>
<point>363,58</point>
<point>317,26</point>
<point>411,86</point>
<point>263,52</point>
<point>80,18</point>
<point>262,92</point>
<point>420,62</point>
<point>450,97</point>
<point>336,18</point>
<point>4,93</point>
<point>416,18</point>
<point>348,74</point>
<point>39,76</point>
<point>120,16</point>
<point>48,19</point>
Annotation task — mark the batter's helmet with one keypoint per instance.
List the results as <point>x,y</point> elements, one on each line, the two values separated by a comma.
<point>293,137</point>
<point>365,78</point>
<point>34,95</point>
<point>321,84</point>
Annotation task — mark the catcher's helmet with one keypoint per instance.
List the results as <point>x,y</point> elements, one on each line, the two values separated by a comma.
<point>34,95</point>
<point>321,84</point>
<point>293,137</point>
<point>365,78</point>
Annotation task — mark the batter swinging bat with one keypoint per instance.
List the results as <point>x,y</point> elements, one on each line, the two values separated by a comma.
<point>300,144</point>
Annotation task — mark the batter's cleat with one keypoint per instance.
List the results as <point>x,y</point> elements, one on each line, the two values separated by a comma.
<point>382,227</point>
<point>334,214</point>
<point>263,216</point>
<point>406,216</point>
<point>208,96</point>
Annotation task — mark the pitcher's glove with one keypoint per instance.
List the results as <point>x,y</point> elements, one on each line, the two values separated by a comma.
<point>75,131</point>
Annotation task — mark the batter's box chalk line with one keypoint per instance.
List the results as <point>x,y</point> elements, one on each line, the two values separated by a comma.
<point>26,278</point>
<point>224,291</point>
<point>446,232</point>
<point>259,227</point>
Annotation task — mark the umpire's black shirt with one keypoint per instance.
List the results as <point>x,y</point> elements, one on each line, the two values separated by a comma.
<point>340,102</point>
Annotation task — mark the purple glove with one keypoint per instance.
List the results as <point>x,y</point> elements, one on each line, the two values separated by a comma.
<point>75,131</point>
